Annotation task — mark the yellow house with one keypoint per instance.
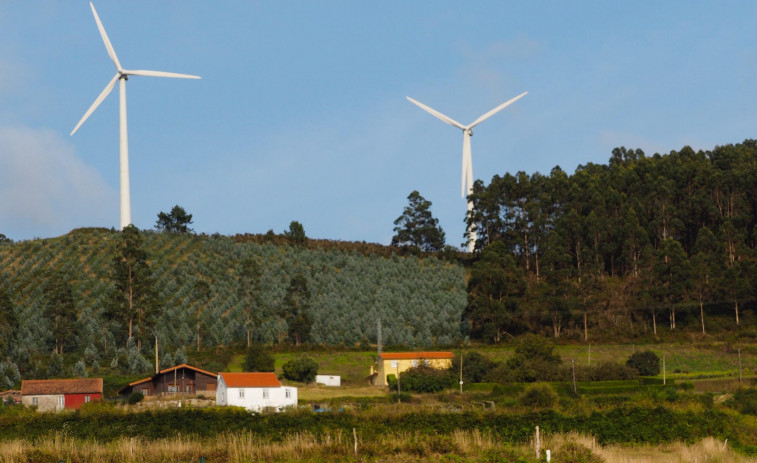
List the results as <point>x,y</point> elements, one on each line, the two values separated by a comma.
<point>394,363</point>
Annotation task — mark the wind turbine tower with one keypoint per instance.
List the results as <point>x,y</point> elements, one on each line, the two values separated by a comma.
<point>467,187</point>
<point>122,75</point>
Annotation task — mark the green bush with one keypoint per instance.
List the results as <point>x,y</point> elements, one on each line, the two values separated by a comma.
<point>538,395</point>
<point>475,367</point>
<point>606,371</point>
<point>302,369</point>
<point>647,362</point>
<point>258,359</point>
<point>135,397</point>
<point>424,378</point>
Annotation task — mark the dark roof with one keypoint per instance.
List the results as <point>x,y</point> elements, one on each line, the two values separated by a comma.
<point>62,386</point>
<point>163,372</point>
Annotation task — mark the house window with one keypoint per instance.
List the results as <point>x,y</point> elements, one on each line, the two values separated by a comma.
<point>145,392</point>
<point>61,401</point>
<point>87,399</point>
<point>288,393</point>
<point>241,393</point>
<point>172,389</point>
<point>35,401</point>
<point>414,363</point>
<point>394,364</point>
<point>265,393</point>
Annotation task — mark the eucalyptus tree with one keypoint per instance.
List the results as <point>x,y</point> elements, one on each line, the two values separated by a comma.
<point>706,269</point>
<point>134,304</point>
<point>249,292</point>
<point>672,274</point>
<point>495,285</point>
<point>60,312</point>
<point>8,321</point>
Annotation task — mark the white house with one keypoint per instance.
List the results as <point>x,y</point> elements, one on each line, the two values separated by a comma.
<point>254,391</point>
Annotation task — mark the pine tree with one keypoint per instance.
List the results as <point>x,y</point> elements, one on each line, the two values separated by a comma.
<point>416,227</point>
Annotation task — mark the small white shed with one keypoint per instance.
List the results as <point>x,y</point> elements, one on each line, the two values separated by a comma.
<point>254,391</point>
<point>328,380</point>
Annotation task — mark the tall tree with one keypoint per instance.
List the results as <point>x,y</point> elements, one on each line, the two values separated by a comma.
<point>495,284</point>
<point>60,312</point>
<point>8,321</point>
<point>201,295</point>
<point>296,234</point>
<point>706,269</point>
<point>135,301</point>
<point>249,292</point>
<point>296,310</point>
<point>176,221</point>
<point>417,227</point>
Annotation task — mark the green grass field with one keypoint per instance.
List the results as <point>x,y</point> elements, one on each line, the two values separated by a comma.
<point>716,365</point>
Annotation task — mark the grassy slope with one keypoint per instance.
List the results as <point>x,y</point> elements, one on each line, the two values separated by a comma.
<point>682,361</point>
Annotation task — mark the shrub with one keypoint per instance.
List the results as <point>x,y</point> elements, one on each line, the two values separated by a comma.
<point>647,362</point>
<point>475,367</point>
<point>302,369</point>
<point>258,359</point>
<point>538,395</point>
<point>606,371</point>
<point>135,397</point>
<point>422,378</point>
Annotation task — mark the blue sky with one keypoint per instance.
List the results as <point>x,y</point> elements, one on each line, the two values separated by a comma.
<point>301,111</point>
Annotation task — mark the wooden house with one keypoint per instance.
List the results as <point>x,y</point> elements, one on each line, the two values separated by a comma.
<point>394,363</point>
<point>59,394</point>
<point>254,391</point>
<point>181,379</point>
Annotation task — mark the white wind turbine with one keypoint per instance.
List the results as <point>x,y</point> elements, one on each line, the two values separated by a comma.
<point>121,76</point>
<point>467,187</point>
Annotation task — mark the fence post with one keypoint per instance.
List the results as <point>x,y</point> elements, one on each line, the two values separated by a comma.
<point>537,444</point>
<point>354,434</point>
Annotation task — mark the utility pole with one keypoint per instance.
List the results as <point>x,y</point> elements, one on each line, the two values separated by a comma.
<point>461,372</point>
<point>573,367</point>
<point>157,361</point>
<point>739,365</point>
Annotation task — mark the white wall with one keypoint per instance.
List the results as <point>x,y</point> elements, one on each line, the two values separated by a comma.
<point>253,397</point>
<point>328,380</point>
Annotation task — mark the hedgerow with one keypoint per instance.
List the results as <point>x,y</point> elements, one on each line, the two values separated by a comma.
<point>619,425</point>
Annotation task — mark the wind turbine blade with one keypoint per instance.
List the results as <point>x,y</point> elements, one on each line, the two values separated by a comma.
<point>100,98</point>
<point>496,110</point>
<point>160,74</point>
<point>108,45</point>
<point>436,113</point>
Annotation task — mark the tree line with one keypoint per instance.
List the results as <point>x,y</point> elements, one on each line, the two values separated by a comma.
<point>622,247</point>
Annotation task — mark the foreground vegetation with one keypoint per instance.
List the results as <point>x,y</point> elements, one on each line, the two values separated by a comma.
<point>460,446</point>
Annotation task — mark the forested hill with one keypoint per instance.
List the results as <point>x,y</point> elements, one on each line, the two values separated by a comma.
<point>71,294</point>
<point>619,248</point>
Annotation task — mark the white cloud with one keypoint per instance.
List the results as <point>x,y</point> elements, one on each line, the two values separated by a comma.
<point>45,189</point>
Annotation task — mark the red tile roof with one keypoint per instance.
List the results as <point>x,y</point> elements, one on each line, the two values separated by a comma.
<point>250,379</point>
<point>416,355</point>
<point>61,386</point>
